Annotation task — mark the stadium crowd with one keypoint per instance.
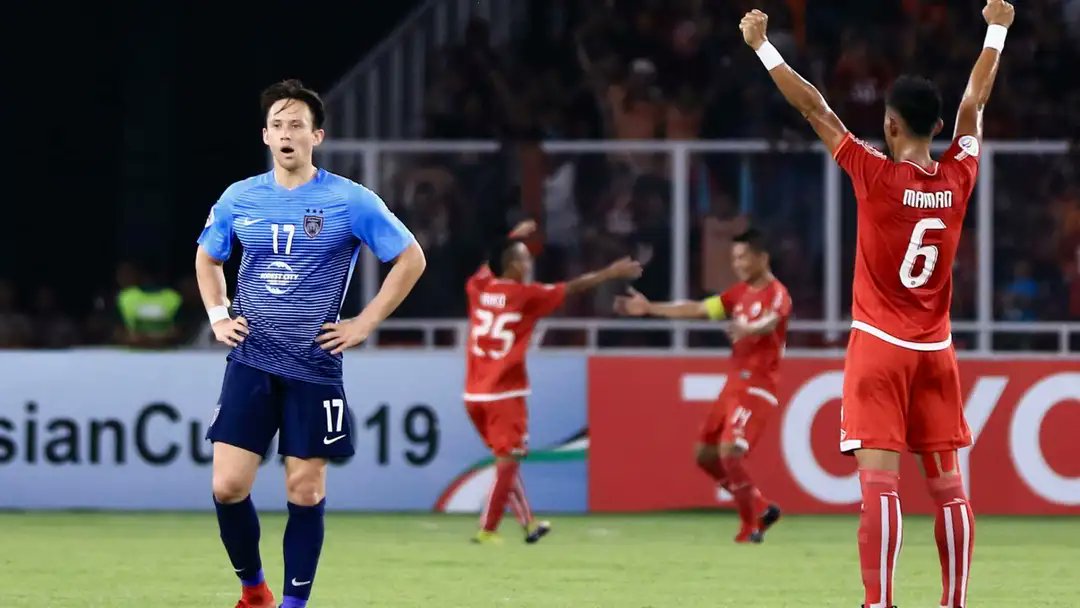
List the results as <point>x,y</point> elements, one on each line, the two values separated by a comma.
<point>676,70</point>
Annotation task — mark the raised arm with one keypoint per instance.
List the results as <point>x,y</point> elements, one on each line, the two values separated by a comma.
<point>802,95</point>
<point>637,305</point>
<point>624,268</point>
<point>999,16</point>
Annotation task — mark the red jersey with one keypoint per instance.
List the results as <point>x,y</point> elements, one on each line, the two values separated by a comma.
<point>502,316</point>
<point>756,358</point>
<point>910,220</point>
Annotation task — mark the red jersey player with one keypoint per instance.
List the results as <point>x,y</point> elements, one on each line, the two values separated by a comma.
<point>504,307</point>
<point>759,306</point>
<point>901,383</point>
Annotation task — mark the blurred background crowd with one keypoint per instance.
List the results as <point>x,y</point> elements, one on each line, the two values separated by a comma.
<point>672,70</point>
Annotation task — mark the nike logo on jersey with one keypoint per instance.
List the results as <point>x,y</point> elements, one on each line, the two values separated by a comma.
<point>328,441</point>
<point>247,221</point>
<point>296,583</point>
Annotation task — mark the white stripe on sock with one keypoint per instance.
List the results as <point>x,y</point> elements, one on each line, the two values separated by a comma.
<point>487,503</point>
<point>883,565</point>
<point>899,541</point>
<point>952,555</point>
<point>515,506</point>
<point>525,508</point>
<point>967,545</point>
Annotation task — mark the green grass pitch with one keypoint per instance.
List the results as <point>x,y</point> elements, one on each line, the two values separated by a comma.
<point>679,560</point>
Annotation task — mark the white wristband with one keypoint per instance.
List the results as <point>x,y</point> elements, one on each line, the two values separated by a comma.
<point>218,313</point>
<point>995,37</point>
<point>769,56</point>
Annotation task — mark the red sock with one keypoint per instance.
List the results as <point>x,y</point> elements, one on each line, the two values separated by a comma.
<point>519,504</point>
<point>713,468</point>
<point>881,531</point>
<point>505,474</point>
<point>743,490</point>
<point>954,530</point>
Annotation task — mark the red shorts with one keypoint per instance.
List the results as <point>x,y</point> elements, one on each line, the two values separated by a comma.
<point>739,415</point>
<point>900,399</point>
<point>503,424</point>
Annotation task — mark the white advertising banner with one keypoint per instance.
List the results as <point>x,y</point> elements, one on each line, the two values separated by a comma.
<point>125,430</point>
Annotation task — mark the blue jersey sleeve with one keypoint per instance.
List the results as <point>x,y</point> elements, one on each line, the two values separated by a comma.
<point>217,234</point>
<point>376,226</point>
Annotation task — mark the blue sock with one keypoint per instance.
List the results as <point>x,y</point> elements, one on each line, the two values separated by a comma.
<point>303,543</point>
<point>239,525</point>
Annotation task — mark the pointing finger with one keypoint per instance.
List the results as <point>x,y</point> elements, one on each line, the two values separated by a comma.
<point>242,321</point>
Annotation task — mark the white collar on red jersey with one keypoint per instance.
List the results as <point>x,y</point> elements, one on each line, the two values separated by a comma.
<point>936,165</point>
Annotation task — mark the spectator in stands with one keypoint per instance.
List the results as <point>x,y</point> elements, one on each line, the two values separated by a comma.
<point>191,318</point>
<point>15,327</point>
<point>52,328</point>
<point>149,312</point>
<point>858,86</point>
<point>1072,277</point>
<point>1021,293</point>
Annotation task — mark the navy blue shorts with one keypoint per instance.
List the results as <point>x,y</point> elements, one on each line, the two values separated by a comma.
<point>313,419</point>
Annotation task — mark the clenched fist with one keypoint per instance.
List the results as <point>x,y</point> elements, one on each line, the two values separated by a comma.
<point>753,26</point>
<point>999,12</point>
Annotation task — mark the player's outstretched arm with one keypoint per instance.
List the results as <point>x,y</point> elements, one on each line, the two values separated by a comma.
<point>624,268</point>
<point>761,326</point>
<point>637,305</point>
<point>408,267</point>
<point>999,16</point>
<point>210,274</point>
<point>802,95</point>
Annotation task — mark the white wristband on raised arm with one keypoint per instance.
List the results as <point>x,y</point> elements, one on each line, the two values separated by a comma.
<point>217,313</point>
<point>769,56</point>
<point>995,37</point>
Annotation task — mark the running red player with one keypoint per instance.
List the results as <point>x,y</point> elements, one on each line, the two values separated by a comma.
<point>504,307</point>
<point>759,306</point>
<point>901,382</point>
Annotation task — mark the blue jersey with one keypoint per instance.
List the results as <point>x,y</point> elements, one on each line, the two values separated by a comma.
<point>300,247</point>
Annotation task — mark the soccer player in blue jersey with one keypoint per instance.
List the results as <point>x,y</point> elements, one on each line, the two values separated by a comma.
<point>301,229</point>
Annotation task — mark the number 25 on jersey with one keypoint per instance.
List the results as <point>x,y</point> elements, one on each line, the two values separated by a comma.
<point>493,326</point>
<point>917,250</point>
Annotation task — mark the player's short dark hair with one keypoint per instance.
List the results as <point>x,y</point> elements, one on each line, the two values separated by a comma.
<point>294,89</point>
<point>754,239</point>
<point>918,102</point>
<point>499,255</point>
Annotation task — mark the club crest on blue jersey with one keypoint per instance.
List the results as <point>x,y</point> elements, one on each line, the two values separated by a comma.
<point>313,225</point>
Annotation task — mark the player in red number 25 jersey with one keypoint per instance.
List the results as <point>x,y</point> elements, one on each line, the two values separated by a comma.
<point>759,306</point>
<point>901,383</point>
<point>504,307</point>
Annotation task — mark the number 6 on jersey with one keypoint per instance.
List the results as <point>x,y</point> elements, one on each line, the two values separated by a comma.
<point>916,250</point>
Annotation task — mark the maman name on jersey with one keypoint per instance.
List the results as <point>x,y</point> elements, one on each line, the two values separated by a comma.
<point>493,300</point>
<point>928,200</point>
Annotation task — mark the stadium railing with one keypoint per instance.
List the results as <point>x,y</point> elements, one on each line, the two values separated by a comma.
<point>383,94</point>
<point>588,335</point>
<point>760,175</point>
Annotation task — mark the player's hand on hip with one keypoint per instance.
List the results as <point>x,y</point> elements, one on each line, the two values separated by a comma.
<point>999,12</point>
<point>632,305</point>
<point>345,334</point>
<point>753,26</point>
<point>625,268</point>
<point>230,331</point>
